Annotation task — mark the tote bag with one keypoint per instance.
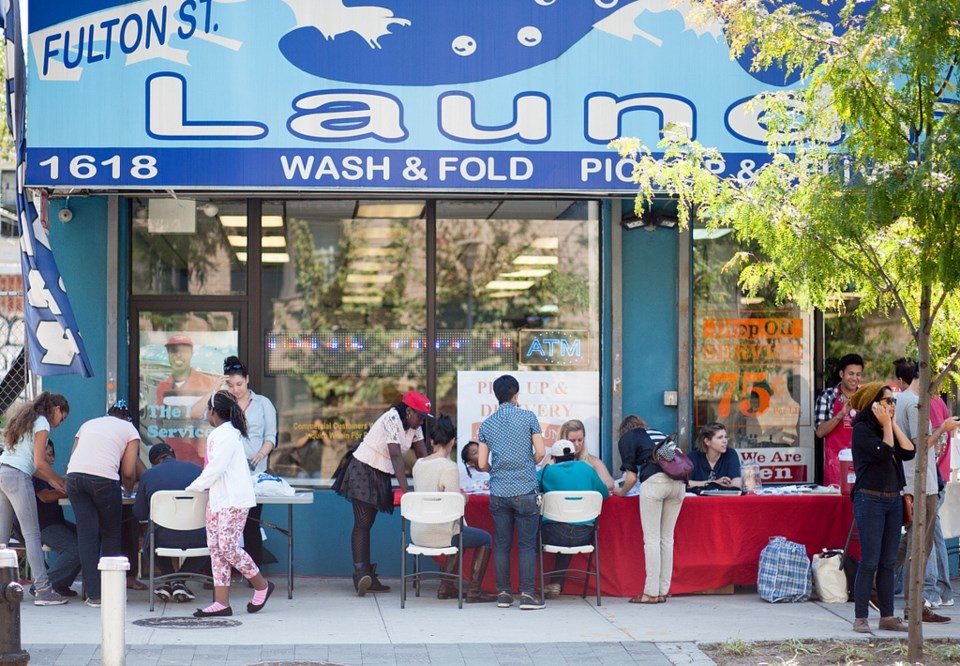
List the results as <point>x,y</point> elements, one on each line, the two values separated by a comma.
<point>829,578</point>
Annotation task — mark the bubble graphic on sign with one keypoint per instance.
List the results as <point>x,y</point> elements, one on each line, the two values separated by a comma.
<point>529,35</point>
<point>464,45</point>
<point>545,3</point>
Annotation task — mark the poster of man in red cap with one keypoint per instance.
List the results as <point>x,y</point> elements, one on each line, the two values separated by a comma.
<point>183,367</point>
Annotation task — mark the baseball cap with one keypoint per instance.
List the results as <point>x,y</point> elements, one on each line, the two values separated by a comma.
<point>417,401</point>
<point>562,448</point>
<point>158,451</point>
<point>179,339</point>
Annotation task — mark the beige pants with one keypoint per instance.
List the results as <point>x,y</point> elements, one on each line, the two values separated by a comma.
<point>660,500</point>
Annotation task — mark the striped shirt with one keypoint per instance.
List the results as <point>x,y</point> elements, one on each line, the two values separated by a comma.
<point>508,432</point>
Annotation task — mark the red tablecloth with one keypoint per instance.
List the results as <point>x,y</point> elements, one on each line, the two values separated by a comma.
<point>717,541</point>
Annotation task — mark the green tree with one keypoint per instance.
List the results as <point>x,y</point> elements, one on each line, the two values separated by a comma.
<point>862,185</point>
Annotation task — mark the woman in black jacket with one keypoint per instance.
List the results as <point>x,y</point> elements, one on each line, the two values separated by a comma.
<point>879,448</point>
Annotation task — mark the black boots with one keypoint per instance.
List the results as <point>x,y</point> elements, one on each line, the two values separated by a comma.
<point>362,578</point>
<point>376,585</point>
<point>478,568</point>
<point>365,579</point>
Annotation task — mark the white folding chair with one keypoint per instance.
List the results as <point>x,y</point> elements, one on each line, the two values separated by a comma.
<point>431,508</point>
<point>573,506</point>
<point>176,510</point>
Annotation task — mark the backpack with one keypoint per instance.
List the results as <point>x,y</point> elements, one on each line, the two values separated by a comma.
<point>784,573</point>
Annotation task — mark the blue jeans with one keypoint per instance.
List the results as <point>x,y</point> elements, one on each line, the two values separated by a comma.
<point>17,498</point>
<point>473,537</point>
<point>564,534</point>
<point>524,511</point>
<point>61,538</point>
<point>936,582</point>
<point>98,506</point>
<point>878,523</point>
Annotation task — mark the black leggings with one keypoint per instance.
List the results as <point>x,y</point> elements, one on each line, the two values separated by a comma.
<point>363,516</point>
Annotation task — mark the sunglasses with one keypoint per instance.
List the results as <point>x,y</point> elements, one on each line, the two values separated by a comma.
<point>233,366</point>
<point>889,400</point>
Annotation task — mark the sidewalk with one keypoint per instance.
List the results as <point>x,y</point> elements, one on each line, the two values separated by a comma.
<point>326,623</point>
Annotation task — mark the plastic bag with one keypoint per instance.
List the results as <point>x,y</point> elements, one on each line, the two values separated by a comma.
<point>829,579</point>
<point>784,572</point>
<point>267,485</point>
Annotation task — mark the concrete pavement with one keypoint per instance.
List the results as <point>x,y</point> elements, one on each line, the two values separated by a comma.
<point>326,623</point>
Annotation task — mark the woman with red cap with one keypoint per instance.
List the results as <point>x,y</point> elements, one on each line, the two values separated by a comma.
<point>364,477</point>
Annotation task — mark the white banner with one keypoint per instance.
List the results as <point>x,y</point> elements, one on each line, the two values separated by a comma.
<point>555,397</point>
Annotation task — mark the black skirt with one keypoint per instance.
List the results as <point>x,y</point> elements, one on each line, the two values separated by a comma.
<point>359,482</point>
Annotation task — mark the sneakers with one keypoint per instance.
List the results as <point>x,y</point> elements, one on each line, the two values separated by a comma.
<point>93,603</point>
<point>861,626</point>
<point>182,593</point>
<point>504,599</point>
<point>551,591</point>
<point>164,592</point>
<point>528,602</point>
<point>48,597</point>
<point>946,602</point>
<point>892,624</point>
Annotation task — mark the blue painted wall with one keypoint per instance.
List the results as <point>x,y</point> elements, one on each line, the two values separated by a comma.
<point>650,317</point>
<point>80,250</point>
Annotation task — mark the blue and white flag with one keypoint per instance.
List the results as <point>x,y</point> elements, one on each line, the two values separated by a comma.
<point>54,346</point>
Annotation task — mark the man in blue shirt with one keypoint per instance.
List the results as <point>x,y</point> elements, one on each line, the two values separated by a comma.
<point>511,445</point>
<point>57,533</point>
<point>168,473</point>
<point>567,473</point>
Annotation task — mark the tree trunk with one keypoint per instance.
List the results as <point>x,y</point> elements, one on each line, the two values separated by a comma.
<point>917,561</point>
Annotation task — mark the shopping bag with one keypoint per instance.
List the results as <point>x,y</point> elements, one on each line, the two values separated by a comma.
<point>784,573</point>
<point>950,511</point>
<point>267,485</point>
<point>829,579</point>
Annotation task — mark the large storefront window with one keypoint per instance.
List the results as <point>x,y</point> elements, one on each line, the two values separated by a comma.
<point>753,364</point>
<point>345,311</point>
<point>189,247</point>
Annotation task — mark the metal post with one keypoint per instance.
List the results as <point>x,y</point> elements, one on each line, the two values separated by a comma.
<point>113,609</point>
<point>11,594</point>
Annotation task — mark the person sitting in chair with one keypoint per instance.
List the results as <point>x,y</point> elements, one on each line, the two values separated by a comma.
<point>168,473</point>
<point>566,473</point>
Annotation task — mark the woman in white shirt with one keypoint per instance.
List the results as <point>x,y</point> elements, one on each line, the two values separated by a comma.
<point>25,454</point>
<point>105,453</point>
<point>227,477</point>
<point>438,473</point>
<point>364,477</point>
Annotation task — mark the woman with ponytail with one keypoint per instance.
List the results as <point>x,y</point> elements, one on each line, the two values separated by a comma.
<point>105,452</point>
<point>227,477</point>
<point>25,454</point>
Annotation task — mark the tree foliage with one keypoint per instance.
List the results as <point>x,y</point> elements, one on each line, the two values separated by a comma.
<point>861,191</point>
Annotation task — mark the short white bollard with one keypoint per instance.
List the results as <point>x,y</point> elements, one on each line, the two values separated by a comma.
<point>113,609</point>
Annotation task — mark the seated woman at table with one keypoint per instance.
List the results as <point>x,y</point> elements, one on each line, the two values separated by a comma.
<point>660,500</point>
<point>713,461</point>
<point>472,480</point>
<point>566,472</point>
<point>438,473</point>
<point>574,431</point>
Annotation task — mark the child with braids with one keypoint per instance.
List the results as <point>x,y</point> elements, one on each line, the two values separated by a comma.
<point>25,454</point>
<point>227,476</point>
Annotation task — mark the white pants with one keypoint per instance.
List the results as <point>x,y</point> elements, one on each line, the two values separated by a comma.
<point>660,500</point>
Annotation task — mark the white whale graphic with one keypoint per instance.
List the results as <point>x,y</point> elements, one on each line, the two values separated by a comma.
<point>332,18</point>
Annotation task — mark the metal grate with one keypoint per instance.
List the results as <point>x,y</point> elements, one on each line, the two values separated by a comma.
<point>13,366</point>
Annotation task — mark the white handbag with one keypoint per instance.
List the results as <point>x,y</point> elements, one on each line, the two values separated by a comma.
<point>829,579</point>
<point>950,511</point>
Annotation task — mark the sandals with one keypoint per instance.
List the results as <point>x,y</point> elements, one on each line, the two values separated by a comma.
<point>644,599</point>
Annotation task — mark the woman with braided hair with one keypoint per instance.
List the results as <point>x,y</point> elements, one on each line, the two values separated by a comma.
<point>105,451</point>
<point>227,476</point>
<point>23,455</point>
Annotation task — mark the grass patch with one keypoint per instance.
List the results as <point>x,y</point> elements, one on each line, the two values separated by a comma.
<point>736,648</point>
<point>799,647</point>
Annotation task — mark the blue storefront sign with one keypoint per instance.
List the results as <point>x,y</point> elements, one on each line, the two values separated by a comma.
<point>432,95</point>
